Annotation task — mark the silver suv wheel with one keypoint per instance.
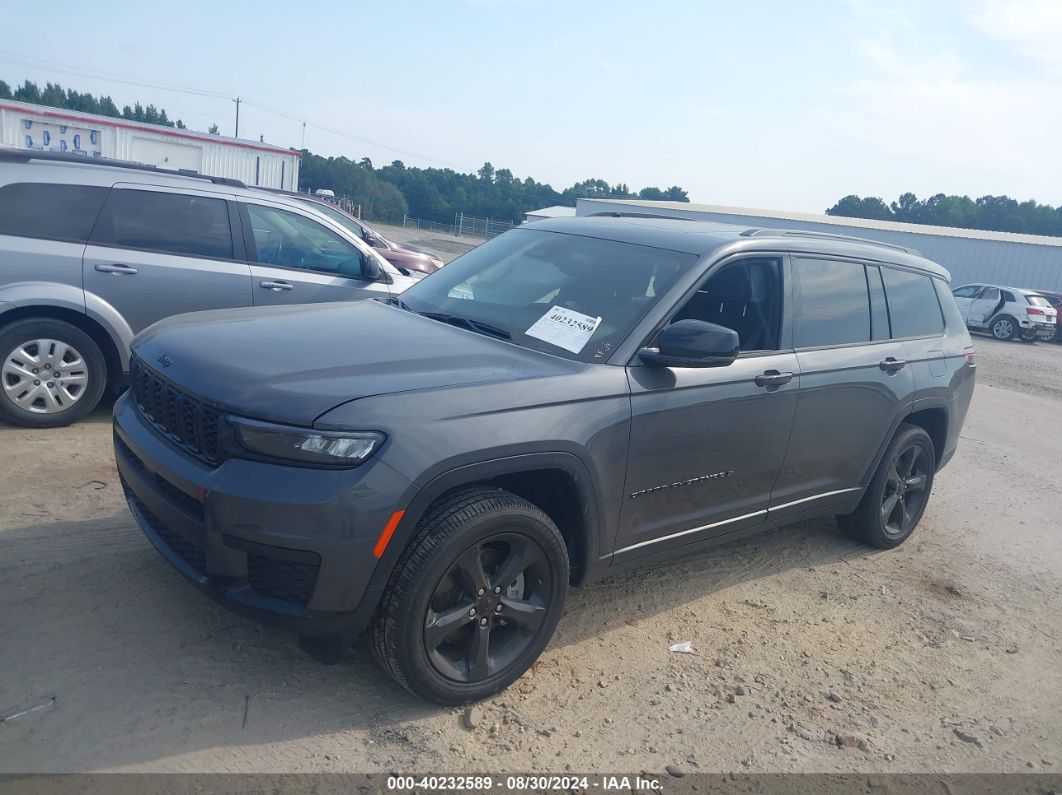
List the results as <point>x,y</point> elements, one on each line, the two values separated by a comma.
<point>44,376</point>
<point>1003,329</point>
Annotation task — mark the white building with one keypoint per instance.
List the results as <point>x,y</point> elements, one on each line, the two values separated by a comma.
<point>556,211</point>
<point>25,126</point>
<point>972,255</point>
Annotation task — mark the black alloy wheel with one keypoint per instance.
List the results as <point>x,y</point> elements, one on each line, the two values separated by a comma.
<point>904,496</point>
<point>898,492</point>
<point>474,598</point>
<point>488,607</point>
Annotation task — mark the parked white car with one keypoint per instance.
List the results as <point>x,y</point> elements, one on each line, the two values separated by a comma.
<point>1006,313</point>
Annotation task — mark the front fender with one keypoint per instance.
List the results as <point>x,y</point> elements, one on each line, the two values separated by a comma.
<point>419,499</point>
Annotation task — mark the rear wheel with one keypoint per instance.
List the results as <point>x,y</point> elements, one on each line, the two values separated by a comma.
<point>474,599</point>
<point>1005,328</point>
<point>51,374</point>
<point>898,493</point>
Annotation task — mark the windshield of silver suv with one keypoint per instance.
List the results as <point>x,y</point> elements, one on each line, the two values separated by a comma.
<point>573,296</point>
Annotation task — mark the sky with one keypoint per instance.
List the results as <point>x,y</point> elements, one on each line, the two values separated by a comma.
<point>775,105</point>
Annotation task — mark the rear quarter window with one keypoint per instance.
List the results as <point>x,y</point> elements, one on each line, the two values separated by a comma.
<point>50,211</point>
<point>913,306</point>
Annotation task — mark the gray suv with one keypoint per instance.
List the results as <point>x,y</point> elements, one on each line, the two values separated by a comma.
<point>94,251</point>
<point>558,403</point>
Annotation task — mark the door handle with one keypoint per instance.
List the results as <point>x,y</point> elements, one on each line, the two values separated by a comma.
<point>773,378</point>
<point>117,269</point>
<point>891,365</point>
<point>276,287</point>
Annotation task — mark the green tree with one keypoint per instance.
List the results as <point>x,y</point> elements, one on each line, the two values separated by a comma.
<point>856,207</point>
<point>5,91</point>
<point>213,129</point>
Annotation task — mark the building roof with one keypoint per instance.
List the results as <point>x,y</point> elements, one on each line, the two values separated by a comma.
<point>556,211</point>
<point>835,220</point>
<point>114,121</point>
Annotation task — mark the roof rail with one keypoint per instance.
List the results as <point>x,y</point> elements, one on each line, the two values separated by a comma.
<point>827,236</point>
<point>25,155</point>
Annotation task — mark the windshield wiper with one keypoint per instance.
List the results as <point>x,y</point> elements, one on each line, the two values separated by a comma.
<point>472,325</point>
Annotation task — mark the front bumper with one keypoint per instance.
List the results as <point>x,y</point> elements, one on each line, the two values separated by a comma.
<point>288,546</point>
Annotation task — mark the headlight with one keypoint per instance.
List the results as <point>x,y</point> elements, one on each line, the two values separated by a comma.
<point>306,446</point>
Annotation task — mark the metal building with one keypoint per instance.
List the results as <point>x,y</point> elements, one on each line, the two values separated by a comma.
<point>972,255</point>
<point>26,126</point>
<point>556,211</point>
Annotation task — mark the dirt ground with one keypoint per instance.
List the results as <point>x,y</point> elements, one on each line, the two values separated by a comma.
<point>813,653</point>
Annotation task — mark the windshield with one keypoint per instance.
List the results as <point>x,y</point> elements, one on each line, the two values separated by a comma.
<point>573,296</point>
<point>1037,300</point>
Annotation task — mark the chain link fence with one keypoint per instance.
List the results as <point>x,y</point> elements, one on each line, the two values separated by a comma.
<point>463,226</point>
<point>430,226</point>
<point>480,227</point>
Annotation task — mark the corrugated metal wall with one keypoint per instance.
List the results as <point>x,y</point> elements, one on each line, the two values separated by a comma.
<point>969,260</point>
<point>96,137</point>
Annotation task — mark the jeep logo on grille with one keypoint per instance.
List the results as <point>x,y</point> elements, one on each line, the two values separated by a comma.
<point>164,360</point>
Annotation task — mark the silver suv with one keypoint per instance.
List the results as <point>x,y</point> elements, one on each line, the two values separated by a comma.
<point>1006,313</point>
<point>94,251</point>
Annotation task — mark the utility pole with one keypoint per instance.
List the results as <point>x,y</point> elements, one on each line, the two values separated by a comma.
<point>303,144</point>
<point>237,101</point>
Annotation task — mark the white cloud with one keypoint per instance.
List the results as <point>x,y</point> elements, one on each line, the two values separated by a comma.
<point>922,120</point>
<point>1033,27</point>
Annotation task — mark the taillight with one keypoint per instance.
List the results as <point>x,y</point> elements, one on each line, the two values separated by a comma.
<point>1035,311</point>
<point>969,352</point>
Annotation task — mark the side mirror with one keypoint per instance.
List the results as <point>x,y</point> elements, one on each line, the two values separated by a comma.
<point>370,268</point>
<point>693,343</point>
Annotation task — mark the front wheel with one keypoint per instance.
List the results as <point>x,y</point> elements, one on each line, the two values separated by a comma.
<point>474,599</point>
<point>898,493</point>
<point>52,373</point>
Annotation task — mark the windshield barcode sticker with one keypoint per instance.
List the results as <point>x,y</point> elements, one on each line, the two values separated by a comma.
<point>564,328</point>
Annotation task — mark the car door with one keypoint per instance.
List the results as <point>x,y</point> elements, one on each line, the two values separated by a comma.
<point>964,296</point>
<point>706,443</point>
<point>854,382</point>
<point>297,259</point>
<point>984,307</point>
<point>156,252</point>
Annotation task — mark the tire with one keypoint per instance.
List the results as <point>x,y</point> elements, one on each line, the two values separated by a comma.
<point>25,402</point>
<point>1004,328</point>
<point>429,625</point>
<point>880,520</point>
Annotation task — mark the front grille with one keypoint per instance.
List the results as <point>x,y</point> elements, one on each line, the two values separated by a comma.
<point>289,580</point>
<point>193,554</point>
<point>191,423</point>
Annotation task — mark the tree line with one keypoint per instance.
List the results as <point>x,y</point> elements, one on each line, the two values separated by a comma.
<point>438,194</point>
<point>997,213</point>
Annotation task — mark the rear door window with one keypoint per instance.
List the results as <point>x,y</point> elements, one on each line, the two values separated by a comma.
<point>967,292</point>
<point>913,305</point>
<point>832,302</point>
<point>50,211</point>
<point>173,223</point>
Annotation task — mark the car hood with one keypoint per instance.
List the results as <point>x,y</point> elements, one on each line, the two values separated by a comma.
<point>292,364</point>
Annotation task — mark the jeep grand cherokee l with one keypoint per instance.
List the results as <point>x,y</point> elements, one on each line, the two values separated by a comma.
<point>556,404</point>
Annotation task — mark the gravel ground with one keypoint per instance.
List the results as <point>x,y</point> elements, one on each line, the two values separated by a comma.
<point>813,653</point>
